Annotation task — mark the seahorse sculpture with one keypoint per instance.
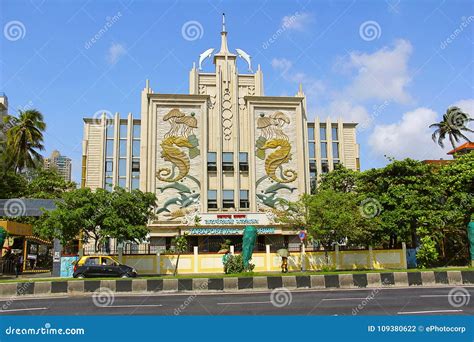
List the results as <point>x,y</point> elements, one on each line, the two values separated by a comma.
<point>173,154</point>
<point>277,158</point>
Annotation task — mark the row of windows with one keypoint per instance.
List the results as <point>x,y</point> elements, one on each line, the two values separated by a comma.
<point>227,161</point>
<point>324,150</point>
<point>322,133</point>
<point>123,130</point>
<point>227,199</point>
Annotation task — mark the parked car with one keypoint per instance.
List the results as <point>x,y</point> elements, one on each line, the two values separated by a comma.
<point>101,266</point>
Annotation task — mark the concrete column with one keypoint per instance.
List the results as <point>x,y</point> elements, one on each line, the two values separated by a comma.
<point>231,250</point>
<point>57,249</point>
<point>337,257</point>
<point>158,261</point>
<point>268,258</point>
<point>371,258</point>
<point>303,257</point>
<point>196,259</point>
<point>404,256</point>
<point>120,252</point>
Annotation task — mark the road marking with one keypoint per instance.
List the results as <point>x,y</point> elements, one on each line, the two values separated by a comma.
<point>446,295</point>
<point>423,312</point>
<point>353,298</point>
<point>31,298</point>
<point>26,309</point>
<point>131,306</point>
<point>243,303</point>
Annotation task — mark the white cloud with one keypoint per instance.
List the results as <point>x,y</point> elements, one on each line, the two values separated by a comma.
<point>297,21</point>
<point>348,111</point>
<point>467,106</point>
<point>115,51</point>
<point>311,86</point>
<point>382,75</point>
<point>408,138</point>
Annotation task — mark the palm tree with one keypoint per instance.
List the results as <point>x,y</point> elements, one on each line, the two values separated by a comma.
<point>453,124</point>
<point>24,137</point>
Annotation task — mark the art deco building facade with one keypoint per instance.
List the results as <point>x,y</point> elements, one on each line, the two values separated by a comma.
<point>218,158</point>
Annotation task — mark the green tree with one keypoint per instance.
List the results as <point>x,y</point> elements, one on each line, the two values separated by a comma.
<point>47,184</point>
<point>407,194</point>
<point>98,215</point>
<point>453,125</point>
<point>24,138</point>
<point>341,179</point>
<point>180,246</point>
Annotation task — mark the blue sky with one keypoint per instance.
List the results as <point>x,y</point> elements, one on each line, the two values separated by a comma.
<point>393,66</point>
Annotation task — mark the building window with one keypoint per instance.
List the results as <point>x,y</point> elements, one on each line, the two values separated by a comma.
<point>243,161</point>
<point>336,164</point>
<point>110,129</point>
<point>212,161</point>
<point>312,152</point>
<point>122,183</point>
<point>136,131</point>
<point>334,133</point>
<point>109,148</point>
<point>227,161</point>
<point>244,199</point>
<point>123,148</point>
<point>135,165</point>
<point>335,150</point>
<point>109,168</point>
<point>123,131</point>
<point>135,183</point>
<point>322,133</point>
<point>122,167</point>
<point>136,148</point>
<point>324,150</point>
<point>310,133</point>
<point>108,184</point>
<point>228,199</point>
<point>312,176</point>
<point>324,166</point>
<point>212,199</point>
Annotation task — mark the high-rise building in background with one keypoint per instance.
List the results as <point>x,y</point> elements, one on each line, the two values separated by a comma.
<point>61,164</point>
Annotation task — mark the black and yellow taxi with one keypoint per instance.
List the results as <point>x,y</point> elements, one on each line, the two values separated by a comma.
<point>102,266</point>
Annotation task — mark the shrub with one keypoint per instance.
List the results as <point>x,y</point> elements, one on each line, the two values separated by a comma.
<point>235,264</point>
<point>427,255</point>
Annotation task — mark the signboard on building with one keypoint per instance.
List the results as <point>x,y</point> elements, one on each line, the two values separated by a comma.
<point>234,219</point>
<point>228,231</point>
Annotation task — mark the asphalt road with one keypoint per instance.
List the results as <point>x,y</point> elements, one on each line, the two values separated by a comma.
<point>394,301</point>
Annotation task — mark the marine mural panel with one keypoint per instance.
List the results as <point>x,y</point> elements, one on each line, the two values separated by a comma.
<point>178,163</point>
<point>276,166</point>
